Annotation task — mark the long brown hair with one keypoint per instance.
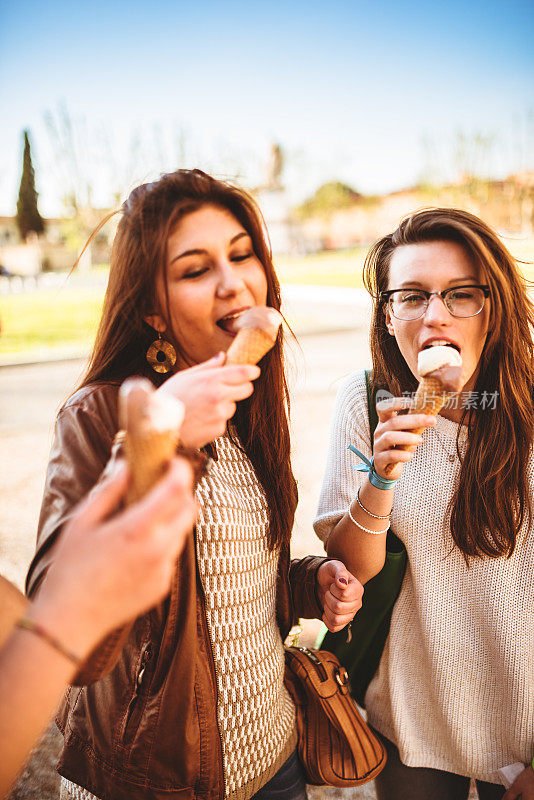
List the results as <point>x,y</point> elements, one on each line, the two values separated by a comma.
<point>138,256</point>
<point>493,495</point>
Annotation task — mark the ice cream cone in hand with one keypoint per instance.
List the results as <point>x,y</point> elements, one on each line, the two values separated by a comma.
<point>440,372</point>
<point>152,423</point>
<point>256,331</point>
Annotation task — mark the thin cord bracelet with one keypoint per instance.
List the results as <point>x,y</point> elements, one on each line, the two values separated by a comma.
<point>29,625</point>
<point>374,516</point>
<point>368,466</point>
<point>375,533</point>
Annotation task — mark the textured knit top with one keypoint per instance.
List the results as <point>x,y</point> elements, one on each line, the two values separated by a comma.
<point>239,574</point>
<point>455,686</point>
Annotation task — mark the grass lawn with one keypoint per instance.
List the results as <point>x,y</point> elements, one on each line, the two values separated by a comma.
<point>341,268</point>
<point>55,318</point>
<point>49,319</point>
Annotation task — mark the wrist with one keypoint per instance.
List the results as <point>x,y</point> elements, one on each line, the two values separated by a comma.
<point>367,510</point>
<point>68,629</point>
<point>376,480</point>
<point>43,631</point>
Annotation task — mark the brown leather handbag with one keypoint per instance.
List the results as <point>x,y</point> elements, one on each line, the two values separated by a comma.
<point>336,746</point>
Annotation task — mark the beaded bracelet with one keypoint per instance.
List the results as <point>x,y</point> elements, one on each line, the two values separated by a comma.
<point>363,508</point>
<point>367,530</point>
<point>33,627</point>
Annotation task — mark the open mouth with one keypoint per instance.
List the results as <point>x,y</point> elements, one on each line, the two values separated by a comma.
<point>443,343</point>
<point>227,323</point>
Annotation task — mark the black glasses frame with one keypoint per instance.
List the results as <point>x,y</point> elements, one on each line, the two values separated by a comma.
<point>386,295</point>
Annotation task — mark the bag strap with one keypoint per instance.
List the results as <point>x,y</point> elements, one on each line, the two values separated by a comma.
<point>371,406</point>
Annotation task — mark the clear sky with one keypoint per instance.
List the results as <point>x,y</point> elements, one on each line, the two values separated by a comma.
<point>374,95</point>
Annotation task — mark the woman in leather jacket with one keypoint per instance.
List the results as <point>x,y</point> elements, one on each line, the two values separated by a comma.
<point>188,701</point>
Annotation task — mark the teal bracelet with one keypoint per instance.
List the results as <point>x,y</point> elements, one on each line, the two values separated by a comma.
<point>368,466</point>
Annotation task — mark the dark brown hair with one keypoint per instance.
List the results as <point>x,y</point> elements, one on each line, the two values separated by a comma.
<point>149,216</point>
<point>493,495</point>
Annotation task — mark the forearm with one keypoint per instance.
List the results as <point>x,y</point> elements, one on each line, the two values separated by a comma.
<point>363,553</point>
<point>32,678</point>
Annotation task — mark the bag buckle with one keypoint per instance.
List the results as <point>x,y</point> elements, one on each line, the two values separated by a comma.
<point>342,677</point>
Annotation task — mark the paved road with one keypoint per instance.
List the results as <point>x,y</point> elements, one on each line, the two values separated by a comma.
<point>29,398</point>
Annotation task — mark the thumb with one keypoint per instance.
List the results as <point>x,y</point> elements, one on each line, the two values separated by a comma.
<point>339,574</point>
<point>342,576</point>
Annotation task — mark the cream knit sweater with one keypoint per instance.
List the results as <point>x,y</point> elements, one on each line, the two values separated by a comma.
<point>455,686</point>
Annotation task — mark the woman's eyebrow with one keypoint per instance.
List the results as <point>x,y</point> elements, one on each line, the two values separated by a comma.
<point>462,279</point>
<point>239,236</point>
<point>200,252</point>
<point>195,252</point>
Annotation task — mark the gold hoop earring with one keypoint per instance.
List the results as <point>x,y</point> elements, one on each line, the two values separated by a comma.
<point>161,355</point>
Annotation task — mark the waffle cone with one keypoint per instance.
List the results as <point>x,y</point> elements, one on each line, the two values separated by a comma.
<point>151,423</point>
<point>12,607</point>
<point>249,346</point>
<point>429,399</point>
<point>148,455</point>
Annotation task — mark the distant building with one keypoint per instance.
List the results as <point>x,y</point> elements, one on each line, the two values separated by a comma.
<point>507,205</point>
<point>58,248</point>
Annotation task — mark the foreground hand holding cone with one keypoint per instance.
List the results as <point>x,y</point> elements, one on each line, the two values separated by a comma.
<point>152,423</point>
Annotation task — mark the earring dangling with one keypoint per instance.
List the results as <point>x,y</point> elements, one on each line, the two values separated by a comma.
<point>161,355</point>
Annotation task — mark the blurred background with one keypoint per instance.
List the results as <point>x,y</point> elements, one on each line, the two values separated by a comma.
<point>339,117</point>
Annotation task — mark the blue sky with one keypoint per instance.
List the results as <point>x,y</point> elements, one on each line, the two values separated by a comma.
<point>351,91</point>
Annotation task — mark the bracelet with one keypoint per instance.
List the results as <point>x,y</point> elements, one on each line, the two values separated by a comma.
<point>29,625</point>
<point>374,478</point>
<point>375,533</point>
<point>374,516</point>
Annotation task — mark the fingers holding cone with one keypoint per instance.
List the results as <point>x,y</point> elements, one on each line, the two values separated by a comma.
<point>440,368</point>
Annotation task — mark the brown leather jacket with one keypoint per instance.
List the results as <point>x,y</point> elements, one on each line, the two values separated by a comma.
<point>146,725</point>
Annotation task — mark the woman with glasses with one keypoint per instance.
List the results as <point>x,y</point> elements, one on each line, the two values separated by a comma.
<point>453,696</point>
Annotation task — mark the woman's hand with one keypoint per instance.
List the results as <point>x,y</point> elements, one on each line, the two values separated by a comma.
<point>522,787</point>
<point>209,392</point>
<point>340,594</point>
<point>108,571</point>
<point>395,429</point>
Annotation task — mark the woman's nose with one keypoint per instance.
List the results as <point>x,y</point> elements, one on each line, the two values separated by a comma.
<point>437,312</point>
<point>230,281</point>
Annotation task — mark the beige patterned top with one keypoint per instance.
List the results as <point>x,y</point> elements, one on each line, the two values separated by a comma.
<point>239,574</point>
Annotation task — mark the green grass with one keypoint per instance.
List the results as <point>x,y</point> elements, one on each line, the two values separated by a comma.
<point>49,319</point>
<point>341,268</point>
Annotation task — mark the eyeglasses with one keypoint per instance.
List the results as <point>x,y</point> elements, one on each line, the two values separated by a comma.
<point>460,301</point>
